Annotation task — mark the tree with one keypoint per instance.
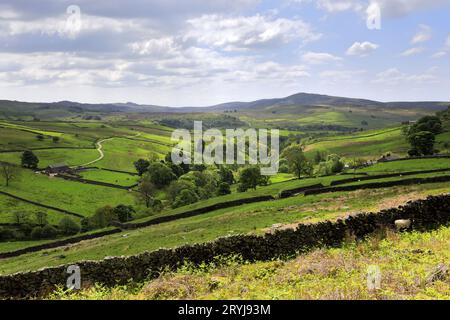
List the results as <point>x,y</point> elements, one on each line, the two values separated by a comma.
<point>9,172</point>
<point>49,232</point>
<point>124,213</point>
<point>336,164</point>
<point>36,233</point>
<point>55,139</point>
<point>103,217</point>
<point>41,218</point>
<point>226,175</point>
<point>29,160</point>
<point>318,157</point>
<point>68,227</point>
<point>146,191</point>
<point>141,166</point>
<point>249,178</point>
<point>224,189</point>
<point>429,123</point>
<point>422,143</point>
<point>297,162</point>
<point>186,197</point>
<point>160,174</point>
<point>40,137</point>
<point>20,217</point>
<point>176,187</point>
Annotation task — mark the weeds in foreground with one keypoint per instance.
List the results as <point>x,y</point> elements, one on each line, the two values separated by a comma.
<point>413,266</point>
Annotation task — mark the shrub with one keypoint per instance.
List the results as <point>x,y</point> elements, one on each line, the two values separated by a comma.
<point>224,189</point>
<point>36,234</point>
<point>185,198</point>
<point>103,217</point>
<point>124,213</point>
<point>49,232</point>
<point>157,206</point>
<point>6,234</point>
<point>68,227</point>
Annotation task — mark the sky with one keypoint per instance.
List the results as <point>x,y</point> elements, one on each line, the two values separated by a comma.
<point>205,52</point>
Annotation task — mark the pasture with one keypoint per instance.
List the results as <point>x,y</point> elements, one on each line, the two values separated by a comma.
<point>252,218</point>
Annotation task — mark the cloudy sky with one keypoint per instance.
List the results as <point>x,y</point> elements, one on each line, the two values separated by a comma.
<point>203,52</point>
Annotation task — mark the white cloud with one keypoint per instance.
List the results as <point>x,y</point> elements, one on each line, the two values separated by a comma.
<point>339,5</point>
<point>448,42</point>
<point>398,8</point>
<point>423,35</point>
<point>361,48</point>
<point>319,58</point>
<point>412,52</point>
<point>393,77</point>
<point>240,33</point>
<point>439,54</point>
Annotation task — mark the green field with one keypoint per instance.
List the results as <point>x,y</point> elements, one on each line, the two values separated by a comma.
<point>125,139</point>
<point>121,153</point>
<point>121,179</point>
<point>251,218</point>
<point>76,197</point>
<point>71,157</point>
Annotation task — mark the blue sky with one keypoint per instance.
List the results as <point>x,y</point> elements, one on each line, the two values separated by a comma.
<point>198,52</point>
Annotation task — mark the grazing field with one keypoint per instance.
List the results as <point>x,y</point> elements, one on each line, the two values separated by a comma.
<point>120,153</point>
<point>118,178</point>
<point>406,263</point>
<point>252,218</point>
<point>407,165</point>
<point>10,206</point>
<point>76,197</point>
<point>370,145</point>
<point>71,157</point>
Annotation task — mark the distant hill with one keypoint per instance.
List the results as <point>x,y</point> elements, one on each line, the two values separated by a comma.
<point>300,101</point>
<point>307,99</point>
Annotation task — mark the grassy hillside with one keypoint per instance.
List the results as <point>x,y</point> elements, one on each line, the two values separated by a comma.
<point>251,218</point>
<point>72,196</point>
<point>406,262</point>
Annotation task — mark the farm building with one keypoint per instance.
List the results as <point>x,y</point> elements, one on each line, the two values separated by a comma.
<point>57,168</point>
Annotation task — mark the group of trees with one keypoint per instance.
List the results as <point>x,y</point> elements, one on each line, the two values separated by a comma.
<point>183,184</point>
<point>422,136</point>
<point>38,228</point>
<point>104,216</point>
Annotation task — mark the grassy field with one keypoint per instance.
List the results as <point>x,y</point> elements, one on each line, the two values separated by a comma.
<point>9,206</point>
<point>406,165</point>
<point>251,218</point>
<point>72,196</point>
<point>71,157</point>
<point>371,145</point>
<point>121,153</point>
<point>121,179</point>
<point>405,262</point>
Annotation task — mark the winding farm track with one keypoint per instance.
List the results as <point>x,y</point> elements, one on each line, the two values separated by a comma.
<point>100,149</point>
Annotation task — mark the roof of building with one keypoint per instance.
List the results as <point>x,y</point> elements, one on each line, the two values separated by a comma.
<point>58,166</point>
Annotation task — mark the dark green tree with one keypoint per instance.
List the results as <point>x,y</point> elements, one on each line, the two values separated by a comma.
<point>29,160</point>
<point>224,189</point>
<point>160,174</point>
<point>422,143</point>
<point>141,166</point>
<point>68,227</point>
<point>249,178</point>
<point>124,213</point>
